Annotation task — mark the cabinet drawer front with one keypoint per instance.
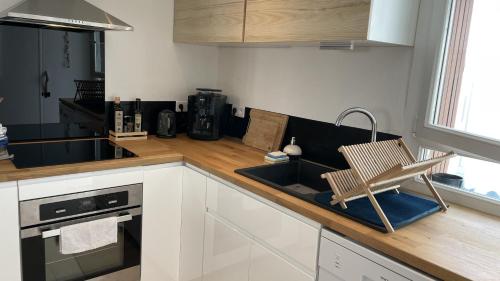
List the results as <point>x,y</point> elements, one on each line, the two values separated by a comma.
<point>162,194</point>
<point>52,186</point>
<point>282,232</point>
<point>347,265</point>
<point>60,185</point>
<point>118,177</point>
<point>306,20</point>
<point>266,266</point>
<point>202,21</point>
<point>226,252</point>
<point>194,187</point>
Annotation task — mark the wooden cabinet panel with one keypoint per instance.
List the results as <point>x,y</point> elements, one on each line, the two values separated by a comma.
<point>209,21</point>
<point>306,20</point>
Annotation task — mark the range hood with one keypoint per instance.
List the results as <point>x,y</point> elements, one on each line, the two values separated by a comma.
<point>63,13</point>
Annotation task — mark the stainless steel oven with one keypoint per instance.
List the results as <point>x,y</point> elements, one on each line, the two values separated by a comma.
<point>41,220</point>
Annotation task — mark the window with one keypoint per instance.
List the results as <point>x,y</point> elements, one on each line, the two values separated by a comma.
<point>463,109</point>
<point>468,95</point>
<point>466,174</point>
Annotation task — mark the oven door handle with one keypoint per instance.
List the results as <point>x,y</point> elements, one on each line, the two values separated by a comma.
<point>57,232</point>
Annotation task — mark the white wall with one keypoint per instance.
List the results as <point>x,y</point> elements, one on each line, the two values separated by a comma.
<point>319,84</point>
<point>146,63</point>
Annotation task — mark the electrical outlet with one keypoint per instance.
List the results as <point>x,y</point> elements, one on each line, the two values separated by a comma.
<point>239,111</point>
<point>179,104</point>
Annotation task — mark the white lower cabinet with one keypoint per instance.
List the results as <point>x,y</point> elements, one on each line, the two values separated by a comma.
<point>194,188</point>
<point>267,266</point>
<point>161,222</point>
<point>230,255</point>
<point>226,252</point>
<point>280,230</point>
<point>281,246</point>
<point>10,253</point>
<point>173,223</point>
<point>197,227</point>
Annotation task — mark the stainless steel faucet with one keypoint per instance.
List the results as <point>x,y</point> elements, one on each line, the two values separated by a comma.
<point>362,111</point>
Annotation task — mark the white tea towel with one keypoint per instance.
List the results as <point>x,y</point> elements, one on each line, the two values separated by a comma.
<point>87,236</point>
<point>104,232</point>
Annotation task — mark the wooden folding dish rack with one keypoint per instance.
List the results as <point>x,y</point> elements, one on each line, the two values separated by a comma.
<point>378,167</point>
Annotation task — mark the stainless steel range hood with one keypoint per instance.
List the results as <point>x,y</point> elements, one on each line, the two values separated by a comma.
<point>63,13</point>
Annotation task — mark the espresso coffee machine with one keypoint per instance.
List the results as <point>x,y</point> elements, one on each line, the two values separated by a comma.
<point>205,113</point>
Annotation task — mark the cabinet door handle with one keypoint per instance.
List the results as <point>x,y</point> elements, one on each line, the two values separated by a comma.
<point>45,84</point>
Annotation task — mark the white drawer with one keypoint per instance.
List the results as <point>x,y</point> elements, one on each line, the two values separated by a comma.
<point>347,265</point>
<point>117,177</point>
<point>286,234</point>
<point>52,186</point>
<point>266,266</point>
<point>60,185</point>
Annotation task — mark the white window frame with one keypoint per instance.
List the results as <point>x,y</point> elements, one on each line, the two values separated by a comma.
<point>429,51</point>
<point>440,137</point>
<point>457,196</point>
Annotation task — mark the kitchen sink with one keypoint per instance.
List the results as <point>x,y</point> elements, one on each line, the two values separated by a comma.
<point>300,178</point>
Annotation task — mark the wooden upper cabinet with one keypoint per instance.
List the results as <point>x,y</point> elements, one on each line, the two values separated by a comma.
<point>373,21</point>
<point>209,21</point>
<point>386,22</point>
<point>306,20</point>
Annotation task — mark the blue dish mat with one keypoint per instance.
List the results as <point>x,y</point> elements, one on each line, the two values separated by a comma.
<point>401,209</point>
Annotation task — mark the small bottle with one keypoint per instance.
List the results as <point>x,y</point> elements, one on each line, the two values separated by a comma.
<point>137,116</point>
<point>118,116</point>
<point>4,141</point>
<point>118,152</point>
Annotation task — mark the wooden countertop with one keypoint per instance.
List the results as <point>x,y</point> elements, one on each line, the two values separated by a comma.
<point>462,244</point>
<point>156,153</point>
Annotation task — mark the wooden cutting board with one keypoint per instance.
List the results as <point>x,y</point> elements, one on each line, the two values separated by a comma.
<point>265,130</point>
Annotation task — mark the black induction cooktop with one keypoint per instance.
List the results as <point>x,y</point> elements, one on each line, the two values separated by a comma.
<point>29,155</point>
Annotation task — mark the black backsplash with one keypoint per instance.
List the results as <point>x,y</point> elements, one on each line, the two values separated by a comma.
<point>234,126</point>
<point>319,141</point>
<point>150,110</point>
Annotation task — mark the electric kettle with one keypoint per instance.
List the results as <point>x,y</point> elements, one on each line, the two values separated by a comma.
<point>166,124</point>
